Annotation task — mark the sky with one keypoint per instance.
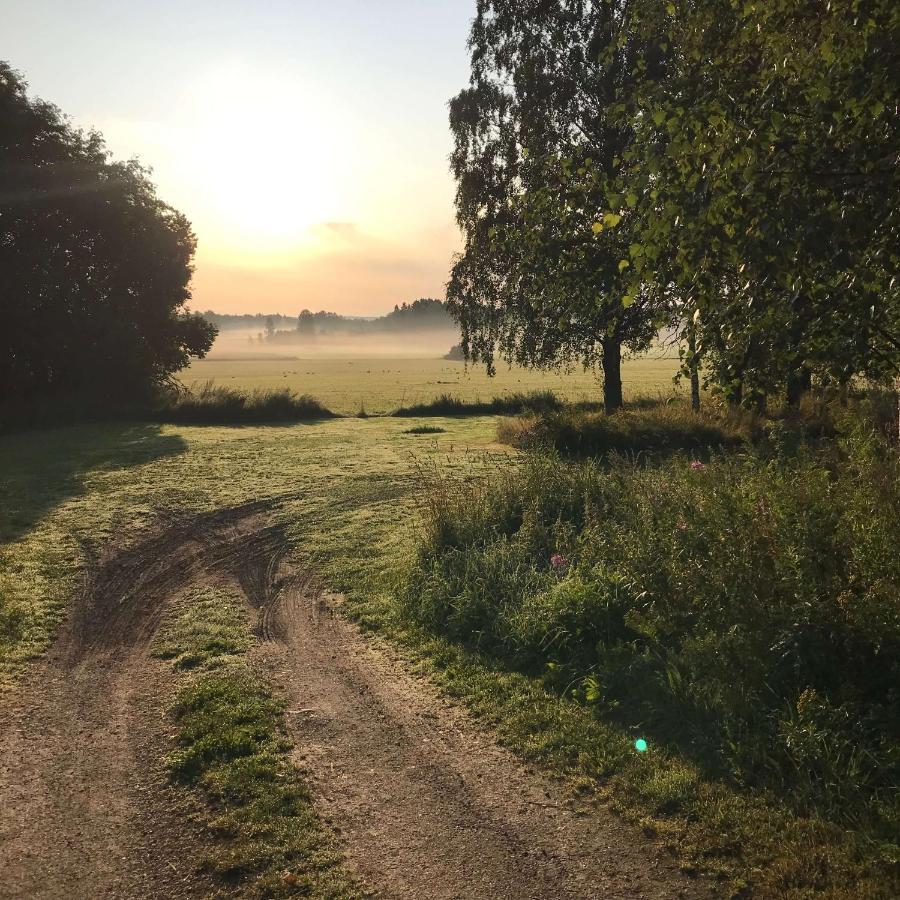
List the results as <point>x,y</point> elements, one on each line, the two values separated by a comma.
<point>306,141</point>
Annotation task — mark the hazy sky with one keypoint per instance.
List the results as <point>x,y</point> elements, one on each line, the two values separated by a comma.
<point>306,141</point>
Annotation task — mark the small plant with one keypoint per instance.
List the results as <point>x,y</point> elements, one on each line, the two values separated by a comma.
<point>425,429</point>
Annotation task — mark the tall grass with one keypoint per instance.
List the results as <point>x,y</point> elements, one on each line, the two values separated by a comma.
<point>745,610</point>
<point>656,428</point>
<point>213,404</point>
<point>509,405</point>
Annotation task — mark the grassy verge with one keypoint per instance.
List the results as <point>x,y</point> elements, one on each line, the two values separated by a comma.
<point>739,614</point>
<point>749,841</point>
<point>657,429</point>
<point>232,750</point>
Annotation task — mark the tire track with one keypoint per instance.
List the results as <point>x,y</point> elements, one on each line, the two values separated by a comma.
<point>426,804</point>
<point>86,809</point>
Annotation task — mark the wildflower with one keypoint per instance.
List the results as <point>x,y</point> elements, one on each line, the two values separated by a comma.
<point>697,466</point>
<point>558,561</point>
<point>682,525</point>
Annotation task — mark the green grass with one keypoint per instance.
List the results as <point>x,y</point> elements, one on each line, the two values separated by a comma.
<point>66,492</point>
<point>507,405</point>
<point>209,628</point>
<point>352,491</point>
<point>232,750</point>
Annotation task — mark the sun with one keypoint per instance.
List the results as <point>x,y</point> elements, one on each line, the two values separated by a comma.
<point>268,158</point>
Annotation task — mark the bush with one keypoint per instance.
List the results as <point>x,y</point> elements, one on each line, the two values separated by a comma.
<point>748,608</point>
<point>656,428</point>
<point>425,429</point>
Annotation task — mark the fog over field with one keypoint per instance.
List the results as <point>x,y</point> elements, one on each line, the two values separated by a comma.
<point>245,343</point>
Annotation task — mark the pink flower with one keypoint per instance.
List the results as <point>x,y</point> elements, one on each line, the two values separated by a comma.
<point>558,561</point>
<point>682,525</point>
<point>697,466</point>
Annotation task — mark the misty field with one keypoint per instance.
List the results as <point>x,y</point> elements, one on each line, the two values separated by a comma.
<point>381,384</point>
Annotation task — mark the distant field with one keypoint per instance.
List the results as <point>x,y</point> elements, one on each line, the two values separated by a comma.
<point>381,384</point>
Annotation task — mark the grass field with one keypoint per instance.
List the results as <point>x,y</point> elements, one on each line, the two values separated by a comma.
<point>379,384</point>
<point>352,495</point>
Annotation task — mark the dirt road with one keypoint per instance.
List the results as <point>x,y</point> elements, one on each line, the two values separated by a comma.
<point>423,802</point>
<point>86,809</point>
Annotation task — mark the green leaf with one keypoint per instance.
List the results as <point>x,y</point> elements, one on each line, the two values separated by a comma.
<point>659,117</point>
<point>627,300</point>
<point>631,200</point>
<point>623,264</point>
<point>597,227</point>
<point>611,220</point>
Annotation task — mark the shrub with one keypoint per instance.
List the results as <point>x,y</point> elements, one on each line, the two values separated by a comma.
<point>656,428</point>
<point>748,607</point>
<point>425,429</point>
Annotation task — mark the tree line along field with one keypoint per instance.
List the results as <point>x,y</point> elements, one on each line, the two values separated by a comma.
<point>381,384</point>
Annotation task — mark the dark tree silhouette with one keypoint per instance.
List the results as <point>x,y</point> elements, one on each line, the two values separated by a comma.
<point>94,267</point>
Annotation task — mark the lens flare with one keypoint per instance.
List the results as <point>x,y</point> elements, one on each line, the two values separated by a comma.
<point>640,745</point>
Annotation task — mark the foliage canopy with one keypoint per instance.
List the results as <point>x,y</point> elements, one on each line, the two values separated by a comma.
<point>727,166</point>
<point>94,267</point>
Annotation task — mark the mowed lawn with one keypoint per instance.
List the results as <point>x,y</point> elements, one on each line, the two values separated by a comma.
<point>350,489</point>
<point>379,385</point>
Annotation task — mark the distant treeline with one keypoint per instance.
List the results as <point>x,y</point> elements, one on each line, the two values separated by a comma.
<point>423,314</point>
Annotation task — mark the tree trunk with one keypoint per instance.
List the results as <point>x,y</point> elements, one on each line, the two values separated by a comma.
<point>799,382</point>
<point>695,369</point>
<point>612,374</point>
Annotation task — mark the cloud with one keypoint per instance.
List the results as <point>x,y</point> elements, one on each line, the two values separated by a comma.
<point>342,229</point>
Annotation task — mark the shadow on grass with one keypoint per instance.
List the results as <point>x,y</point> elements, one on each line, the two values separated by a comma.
<point>43,469</point>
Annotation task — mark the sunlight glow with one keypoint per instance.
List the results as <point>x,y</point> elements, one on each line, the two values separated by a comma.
<point>269,158</point>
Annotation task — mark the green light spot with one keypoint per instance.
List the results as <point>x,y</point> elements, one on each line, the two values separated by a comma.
<point>640,745</point>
